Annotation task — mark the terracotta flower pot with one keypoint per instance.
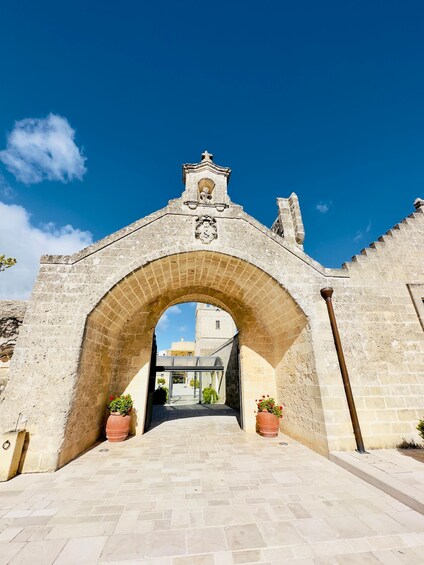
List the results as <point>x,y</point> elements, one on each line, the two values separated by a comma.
<point>267,424</point>
<point>117,426</point>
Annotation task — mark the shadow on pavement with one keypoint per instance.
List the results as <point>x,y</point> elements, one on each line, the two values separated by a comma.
<point>168,412</point>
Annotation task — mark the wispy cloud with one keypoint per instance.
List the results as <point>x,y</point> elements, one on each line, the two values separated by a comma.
<point>163,323</point>
<point>21,239</point>
<point>43,149</point>
<point>6,190</point>
<point>323,207</point>
<point>360,234</point>
<point>174,309</point>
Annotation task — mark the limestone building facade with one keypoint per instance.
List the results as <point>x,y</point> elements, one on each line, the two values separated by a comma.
<point>213,328</point>
<point>182,348</point>
<point>89,325</point>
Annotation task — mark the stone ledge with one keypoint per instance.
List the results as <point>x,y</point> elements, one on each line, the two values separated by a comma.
<point>386,471</point>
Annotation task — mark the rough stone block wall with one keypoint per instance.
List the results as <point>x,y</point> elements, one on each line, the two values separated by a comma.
<point>12,313</point>
<point>298,389</point>
<point>87,418</point>
<point>383,336</point>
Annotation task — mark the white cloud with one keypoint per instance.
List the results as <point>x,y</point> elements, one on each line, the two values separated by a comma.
<point>323,207</point>
<point>43,149</point>
<point>20,239</point>
<point>163,322</point>
<point>360,234</point>
<point>174,309</point>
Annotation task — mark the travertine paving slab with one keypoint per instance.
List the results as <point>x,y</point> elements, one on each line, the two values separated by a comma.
<point>199,490</point>
<point>81,551</point>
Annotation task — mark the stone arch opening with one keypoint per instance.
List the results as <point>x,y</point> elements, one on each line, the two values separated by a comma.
<point>276,354</point>
<point>195,347</point>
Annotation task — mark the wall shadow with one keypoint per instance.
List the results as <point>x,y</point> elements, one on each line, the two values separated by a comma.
<point>162,414</point>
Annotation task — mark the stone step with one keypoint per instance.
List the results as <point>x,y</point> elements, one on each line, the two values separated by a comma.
<point>379,469</point>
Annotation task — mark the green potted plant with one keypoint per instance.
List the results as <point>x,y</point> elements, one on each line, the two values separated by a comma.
<point>119,420</point>
<point>268,416</point>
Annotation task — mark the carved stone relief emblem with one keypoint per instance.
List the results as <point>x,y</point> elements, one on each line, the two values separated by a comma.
<point>206,229</point>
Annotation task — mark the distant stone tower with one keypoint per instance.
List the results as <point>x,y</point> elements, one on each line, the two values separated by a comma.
<point>213,328</point>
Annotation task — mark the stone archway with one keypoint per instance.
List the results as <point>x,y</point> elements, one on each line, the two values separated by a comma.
<point>275,347</point>
<point>89,324</point>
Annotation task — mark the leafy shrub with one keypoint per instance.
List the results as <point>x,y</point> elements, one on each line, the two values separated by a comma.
<point>194,383</point>
<point>161,381</point>
<point>122,404</point>
<point>166,389</point>
<point>420,428</point>
<point>405,444</point>
<point>6,262</point>
<point>210,396</point>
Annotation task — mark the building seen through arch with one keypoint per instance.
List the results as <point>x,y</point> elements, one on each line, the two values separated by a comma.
<point>182,369</point>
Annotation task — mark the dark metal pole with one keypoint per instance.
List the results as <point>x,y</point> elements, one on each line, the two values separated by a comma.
<point>327,293</point>
<point>171,385</point>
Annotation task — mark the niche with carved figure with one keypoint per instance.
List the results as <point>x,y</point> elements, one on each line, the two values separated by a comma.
<point>206,187</point>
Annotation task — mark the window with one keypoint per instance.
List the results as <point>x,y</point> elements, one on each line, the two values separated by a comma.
<point>218,325</point>
<point>179,377</point>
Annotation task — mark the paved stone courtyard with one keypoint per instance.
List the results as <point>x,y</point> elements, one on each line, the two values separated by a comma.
<point>199,491</point>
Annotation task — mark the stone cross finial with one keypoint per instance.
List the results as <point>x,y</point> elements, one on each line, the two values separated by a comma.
<point>206,156</point>
<point>419,202</point>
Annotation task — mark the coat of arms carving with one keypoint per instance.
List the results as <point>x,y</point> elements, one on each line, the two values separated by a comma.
<point>206,229</point>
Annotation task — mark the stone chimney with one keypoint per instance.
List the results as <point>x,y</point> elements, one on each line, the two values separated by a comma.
<point>289,224</point>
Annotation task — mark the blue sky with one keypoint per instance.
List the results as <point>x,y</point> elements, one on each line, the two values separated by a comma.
<point>321,98</point>
<point>176,323</point>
